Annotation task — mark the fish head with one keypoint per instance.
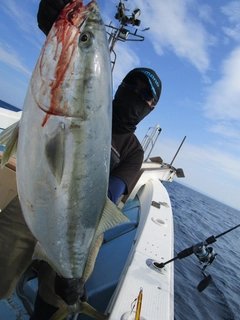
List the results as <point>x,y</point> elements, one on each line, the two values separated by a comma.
<point>75,59</point>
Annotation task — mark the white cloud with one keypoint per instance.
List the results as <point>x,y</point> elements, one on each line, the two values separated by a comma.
<point>127,59</point>
<point>18,13</point>
<point>211,171</point>
<point>21,18</point>
<point>232,11</point>
<point>205,13</point>
<point>12,59</point>
<point>176,26</point>
<point>202,158</point>
<point>233,33</point>
<point>222,102</point>
<point>224,129</point>
<point>213,160</point>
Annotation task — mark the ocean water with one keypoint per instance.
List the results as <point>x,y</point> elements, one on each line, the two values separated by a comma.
<point>8,106</point>
<point>197,217</point>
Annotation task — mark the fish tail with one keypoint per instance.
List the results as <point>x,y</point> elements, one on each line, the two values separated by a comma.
<point>80,307</point>
<point>61,313</point>
<point>90,311</point>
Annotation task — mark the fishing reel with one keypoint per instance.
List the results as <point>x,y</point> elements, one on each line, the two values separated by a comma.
<point>206,256</point>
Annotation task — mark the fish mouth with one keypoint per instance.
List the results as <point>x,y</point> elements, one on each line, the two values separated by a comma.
<point>75,12</point>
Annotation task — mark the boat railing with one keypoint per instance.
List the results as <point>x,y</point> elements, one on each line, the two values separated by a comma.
<point>150,140</point>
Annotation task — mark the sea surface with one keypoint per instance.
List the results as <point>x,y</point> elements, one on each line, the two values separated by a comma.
<point>197,217</point>
<point>8,106</point>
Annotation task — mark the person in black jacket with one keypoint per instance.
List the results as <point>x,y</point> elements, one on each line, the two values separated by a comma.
<point>134,99</point>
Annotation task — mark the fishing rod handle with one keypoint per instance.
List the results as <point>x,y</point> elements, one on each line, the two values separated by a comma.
<point>185,253</point>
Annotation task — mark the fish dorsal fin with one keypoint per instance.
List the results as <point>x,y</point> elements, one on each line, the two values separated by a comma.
<point>111,217</point>
<point>9,139</point>
<point>55,151</point>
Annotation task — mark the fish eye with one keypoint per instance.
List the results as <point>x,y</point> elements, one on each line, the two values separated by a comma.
<point>86,39</point>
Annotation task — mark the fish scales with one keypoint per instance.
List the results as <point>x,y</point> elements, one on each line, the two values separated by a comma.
<point>64,138</point>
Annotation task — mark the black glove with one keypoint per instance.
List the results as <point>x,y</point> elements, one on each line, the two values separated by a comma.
<point>48,12</point>
<point>70,290</point>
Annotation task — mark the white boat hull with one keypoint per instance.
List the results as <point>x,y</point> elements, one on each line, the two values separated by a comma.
<point>153,243</point>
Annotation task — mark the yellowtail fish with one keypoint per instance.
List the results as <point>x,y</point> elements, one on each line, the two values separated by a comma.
<point>62,143</point>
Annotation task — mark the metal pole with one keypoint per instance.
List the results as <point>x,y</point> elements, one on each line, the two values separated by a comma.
<point>153,142</point>
<point>178,150</point>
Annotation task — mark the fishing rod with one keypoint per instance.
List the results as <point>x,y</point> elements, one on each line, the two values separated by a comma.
<point>205,255</point>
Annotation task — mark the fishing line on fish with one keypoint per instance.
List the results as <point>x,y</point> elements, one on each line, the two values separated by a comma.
<point>205,255</point>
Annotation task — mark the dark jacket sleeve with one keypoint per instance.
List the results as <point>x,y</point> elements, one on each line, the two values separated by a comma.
<point>131,158</point>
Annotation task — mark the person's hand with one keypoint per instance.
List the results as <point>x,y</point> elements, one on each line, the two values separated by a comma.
<point>48,12</point>
<point>70,290</point>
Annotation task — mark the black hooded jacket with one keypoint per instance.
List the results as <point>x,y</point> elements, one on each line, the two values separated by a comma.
<point>127,154</point>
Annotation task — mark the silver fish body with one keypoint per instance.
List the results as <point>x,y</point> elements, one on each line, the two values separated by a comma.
<point>64,140</point>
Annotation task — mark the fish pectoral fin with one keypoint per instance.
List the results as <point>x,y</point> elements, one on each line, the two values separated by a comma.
<point>9,139</point>
<point>55,151</point>
<point>111,217</point>
<point>40,254</point>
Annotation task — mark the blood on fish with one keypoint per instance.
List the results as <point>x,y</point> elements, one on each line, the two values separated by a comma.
<point>67,30</point>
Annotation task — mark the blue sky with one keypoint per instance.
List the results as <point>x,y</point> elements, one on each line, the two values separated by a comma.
<point>194,46</point>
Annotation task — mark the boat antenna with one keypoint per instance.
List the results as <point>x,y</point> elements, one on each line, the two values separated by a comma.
<point>205,255</point>
<point>122,33</point>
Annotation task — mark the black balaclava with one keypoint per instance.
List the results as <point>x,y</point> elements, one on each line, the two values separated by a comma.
<point>128,106</point>
<point>128,110</point>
